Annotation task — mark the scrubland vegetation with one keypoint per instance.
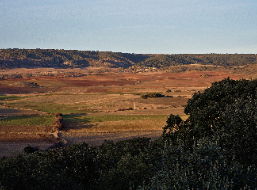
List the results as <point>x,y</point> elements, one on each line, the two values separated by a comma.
<point>72,58</point>
<point>214,148</point>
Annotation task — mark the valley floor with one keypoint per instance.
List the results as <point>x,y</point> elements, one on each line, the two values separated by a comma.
<point>95,106</point>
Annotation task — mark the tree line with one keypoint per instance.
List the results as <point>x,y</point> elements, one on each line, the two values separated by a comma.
<point>10,58</point>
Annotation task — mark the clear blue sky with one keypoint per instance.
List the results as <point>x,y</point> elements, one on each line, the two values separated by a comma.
<point>131,26</point>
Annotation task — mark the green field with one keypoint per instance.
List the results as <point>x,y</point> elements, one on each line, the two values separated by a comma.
<point>48,107</point>
<point>33,120</point>
<point>103,118</point>
<point>8,98</point>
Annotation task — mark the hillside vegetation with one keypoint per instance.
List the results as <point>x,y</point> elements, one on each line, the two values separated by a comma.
<point>29,58</point>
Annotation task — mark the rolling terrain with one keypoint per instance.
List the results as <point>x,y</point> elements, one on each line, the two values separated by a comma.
<point>99,101</point>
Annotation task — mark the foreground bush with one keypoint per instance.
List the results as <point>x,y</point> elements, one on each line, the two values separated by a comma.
<point>205,167</point>
<point>79,166</point>
<point>130,164</point>
<point>225,113</point>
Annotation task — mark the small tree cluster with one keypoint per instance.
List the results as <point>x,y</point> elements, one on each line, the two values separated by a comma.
<point>30,149</point>
<point>151,95</point>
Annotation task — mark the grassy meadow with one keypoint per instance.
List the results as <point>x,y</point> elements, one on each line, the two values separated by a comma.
<point>32,120</point>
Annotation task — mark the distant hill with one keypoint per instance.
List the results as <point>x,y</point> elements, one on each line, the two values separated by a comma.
<point>31,58</point>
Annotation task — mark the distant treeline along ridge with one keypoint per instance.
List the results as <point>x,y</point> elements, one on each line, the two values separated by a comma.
<point>58,58</point>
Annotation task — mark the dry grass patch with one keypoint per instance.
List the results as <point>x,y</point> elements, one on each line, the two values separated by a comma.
<point>165,101</point>
<point>114,123</point>
<point>122,126</point>
<point>23,137</point>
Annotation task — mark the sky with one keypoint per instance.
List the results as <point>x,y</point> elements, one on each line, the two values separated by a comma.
<point>131,26</point>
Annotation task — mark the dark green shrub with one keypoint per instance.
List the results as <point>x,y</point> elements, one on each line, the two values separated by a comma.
<point>205,167</point>
<point>205,108</point>
<point>226,113</point>
<point>151,95</point>
<point>29,149</point>
<point>129,164</point>
<point>154,95</point>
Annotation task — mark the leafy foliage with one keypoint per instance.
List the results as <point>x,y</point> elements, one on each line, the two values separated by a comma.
<point>225,113</point>
<point>129,164</point>
<point>79,167</point>
<point>206,108</point>
<point>205,167</point>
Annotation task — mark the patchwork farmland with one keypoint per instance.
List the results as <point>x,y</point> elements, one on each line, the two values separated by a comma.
<point>95,106</point>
